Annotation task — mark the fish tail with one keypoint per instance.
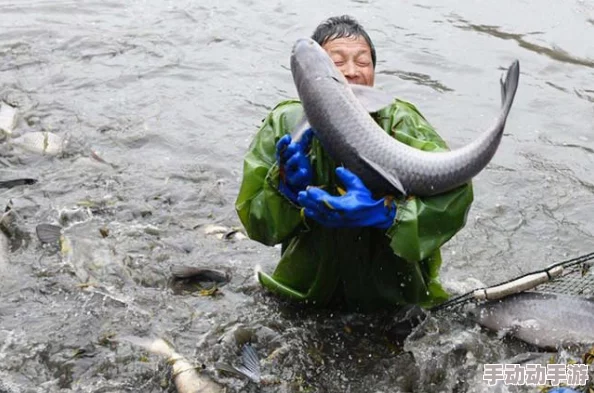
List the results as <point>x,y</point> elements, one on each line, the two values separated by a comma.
<point>48,233</point>
<point>510,85</point>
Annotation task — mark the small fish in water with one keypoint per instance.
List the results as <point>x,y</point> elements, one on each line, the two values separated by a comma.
<point>185,376</point>
<point>546,320</point>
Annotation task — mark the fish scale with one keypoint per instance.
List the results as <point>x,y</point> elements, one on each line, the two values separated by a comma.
<point>352,137</point>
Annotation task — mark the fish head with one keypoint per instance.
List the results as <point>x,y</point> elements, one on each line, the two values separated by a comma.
<point>310,62</point>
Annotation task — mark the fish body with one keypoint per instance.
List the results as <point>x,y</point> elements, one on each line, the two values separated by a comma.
<point>543,319</point>
<point>17,182</point>
<point>6,220</point>
<point>341,121</point>
<point>4,252</point>
<point>184,374</point>
<point>198,273</point>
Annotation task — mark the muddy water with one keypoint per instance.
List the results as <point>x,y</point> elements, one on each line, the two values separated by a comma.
<point>168,95</point>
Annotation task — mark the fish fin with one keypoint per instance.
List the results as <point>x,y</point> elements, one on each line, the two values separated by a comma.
<point>503,89</point>
<point>299,129</point>
<point>48,233</point>
<point>393,180</point>
<point>250,367</point>
<point>510,85</point>
<point>251,362</point>
<point>372,99</point>
<point>340,190</point>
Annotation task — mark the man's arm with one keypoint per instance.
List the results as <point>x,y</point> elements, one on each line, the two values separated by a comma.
<point>267,215</point>
<point>423,224</point>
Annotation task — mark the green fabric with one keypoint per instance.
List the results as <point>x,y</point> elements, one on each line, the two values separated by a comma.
<point>361,268</point>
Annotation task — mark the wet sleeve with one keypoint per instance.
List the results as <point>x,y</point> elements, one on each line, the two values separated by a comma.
<point>266,214</point>
<point>424,224</point>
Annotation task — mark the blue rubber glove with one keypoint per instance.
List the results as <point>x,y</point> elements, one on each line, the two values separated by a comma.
<point>562,390</point>
<point>356,208</point>
<point>295,168</point>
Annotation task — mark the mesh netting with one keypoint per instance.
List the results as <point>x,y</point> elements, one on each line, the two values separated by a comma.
<point>576,279</point>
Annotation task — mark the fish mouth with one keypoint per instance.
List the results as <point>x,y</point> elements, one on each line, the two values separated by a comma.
<point>308,57</point>
<point>302,44</point>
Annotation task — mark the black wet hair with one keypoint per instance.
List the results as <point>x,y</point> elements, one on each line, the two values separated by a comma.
<point>339,27</point>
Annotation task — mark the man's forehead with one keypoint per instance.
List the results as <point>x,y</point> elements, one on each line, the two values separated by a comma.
<point>357,43</point>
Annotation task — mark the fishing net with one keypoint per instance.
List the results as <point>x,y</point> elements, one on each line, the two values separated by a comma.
<point>572,277</point>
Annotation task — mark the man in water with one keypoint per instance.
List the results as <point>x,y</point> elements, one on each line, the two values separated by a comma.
<point>378,253</point>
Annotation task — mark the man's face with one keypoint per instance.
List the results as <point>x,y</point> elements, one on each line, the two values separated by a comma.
<point>352,56</point>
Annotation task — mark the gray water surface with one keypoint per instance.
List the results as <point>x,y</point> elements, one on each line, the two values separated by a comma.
<point>169,95</point>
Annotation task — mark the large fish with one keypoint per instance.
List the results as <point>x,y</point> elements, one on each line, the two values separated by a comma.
<point>543,319</point>
<point>339,114</point>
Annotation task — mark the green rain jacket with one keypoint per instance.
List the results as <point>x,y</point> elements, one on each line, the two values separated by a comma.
<point>361,268</point>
